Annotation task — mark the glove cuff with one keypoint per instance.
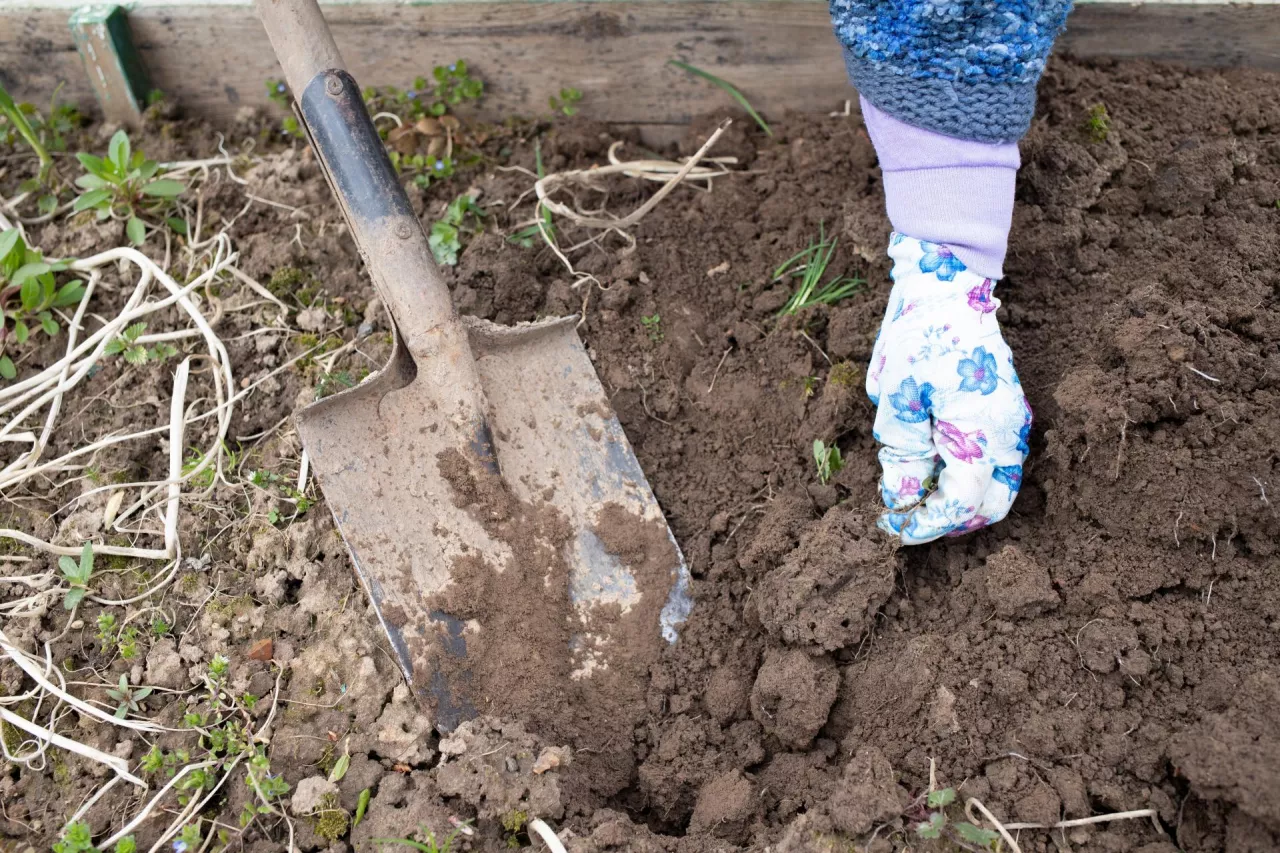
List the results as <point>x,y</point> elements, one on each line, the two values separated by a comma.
<point>949,191</point>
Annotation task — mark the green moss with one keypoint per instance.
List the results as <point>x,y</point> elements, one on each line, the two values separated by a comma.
<point>1099,123</point>
<point>332,821</point>
<point>845,374</point>
<point>231,606</point>
<point>286,281</point>
<point>515,820</point>
<point>189,583</point>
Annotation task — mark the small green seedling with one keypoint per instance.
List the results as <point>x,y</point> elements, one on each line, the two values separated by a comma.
<point>828,459</point>
<point>937,825</point>
<point>77,838</point>
<point>1098,123</point>
<point>809,386</point>
<point>29,293</point>
<point>567,103</point>
<point>16,120</point>
<point>653,325</point>
<point>461,217</point>
<point>810,266</point>
<point>127,641</point>
<point>126,345</point>
<point>124,184</point>
<point>728,87</point>
<point>77,574</point>
<point>542,230</point>
<point>128,697</point>
<point>428,844</point>
<point>106,630</point>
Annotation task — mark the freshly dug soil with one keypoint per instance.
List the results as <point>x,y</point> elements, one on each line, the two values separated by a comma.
<point>1111,646</point>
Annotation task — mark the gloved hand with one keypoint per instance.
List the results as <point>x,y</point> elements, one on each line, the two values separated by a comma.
<point>950,409</point>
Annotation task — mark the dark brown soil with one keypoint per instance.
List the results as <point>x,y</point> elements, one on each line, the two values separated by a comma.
<point>1111,646</point>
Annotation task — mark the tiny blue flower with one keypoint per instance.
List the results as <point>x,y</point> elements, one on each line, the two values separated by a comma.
<point>439,166</point>
<point>281,88</point>
<point>939,259</point>
<point>913,402</point>
<point>179,846</point>
<point>411,94</point>
<point>978,373</point>
<point>453,66</point>
<point>1010,475</point>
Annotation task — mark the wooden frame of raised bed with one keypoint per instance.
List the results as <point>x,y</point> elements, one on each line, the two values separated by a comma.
<point>213,56</point>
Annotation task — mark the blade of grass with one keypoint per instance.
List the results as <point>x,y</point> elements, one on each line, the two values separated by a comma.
<point>728,87</point>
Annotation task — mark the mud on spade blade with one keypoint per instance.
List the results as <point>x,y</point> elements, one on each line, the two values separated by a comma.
<point>492,505</point>
<point>568,518</point>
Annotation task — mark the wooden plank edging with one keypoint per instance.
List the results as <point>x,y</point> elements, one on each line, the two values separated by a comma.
<point>214,59</point>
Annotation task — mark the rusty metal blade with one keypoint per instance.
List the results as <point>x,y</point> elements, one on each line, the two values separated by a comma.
<point>377,452</point>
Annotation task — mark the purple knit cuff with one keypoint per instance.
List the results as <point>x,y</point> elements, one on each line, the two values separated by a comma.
<point>947,190</point>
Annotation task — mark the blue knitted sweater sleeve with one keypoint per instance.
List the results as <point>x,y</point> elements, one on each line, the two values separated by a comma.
<point>965,68</point>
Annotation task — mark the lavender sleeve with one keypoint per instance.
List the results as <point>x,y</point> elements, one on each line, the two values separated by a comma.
<point>948,190</point>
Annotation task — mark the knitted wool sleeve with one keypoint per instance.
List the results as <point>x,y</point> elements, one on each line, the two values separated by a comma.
<point>964,68</point>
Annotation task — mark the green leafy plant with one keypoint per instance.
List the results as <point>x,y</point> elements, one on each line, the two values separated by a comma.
<point>526,237</point>
<point>567,102</point>
<point>449,86</point>
<point>1098,123</point>
<point>809,386</point>
<point>934,824</point>
<point>78,839</point>
<point>29,294</point>
<point>653,326</point>
<point>17,121</point>
<point>106,630</point>
<point>77,573</point>
<point>128,697</point>
<point>127,641</point>
<point>427,844</point>
<point>728,87</point>
<point>126,344</point>
<point>828,459</point>
<point>124,184</point>
<point>463,216</point>
<point>810,266</point>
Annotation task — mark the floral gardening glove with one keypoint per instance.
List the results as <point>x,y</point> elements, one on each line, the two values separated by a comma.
<point>950,409</point>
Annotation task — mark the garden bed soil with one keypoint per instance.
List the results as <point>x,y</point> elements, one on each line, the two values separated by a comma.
<point>1111,646</point>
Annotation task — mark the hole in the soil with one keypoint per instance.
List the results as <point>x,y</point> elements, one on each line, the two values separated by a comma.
<point>292,588</point>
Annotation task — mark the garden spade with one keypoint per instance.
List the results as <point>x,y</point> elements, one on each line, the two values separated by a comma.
<point>519,403</point>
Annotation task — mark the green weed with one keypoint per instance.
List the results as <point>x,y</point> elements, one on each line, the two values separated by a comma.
<point>126,345</point>
<point>42,133</point>
<point>526,237</point>
<point>78,839</point>
<point>462,217</point>
<point>29,293</point>
<point>567,102</point>
<point>828,459</point>
<point>129,698</point>
<point>810,266</point>
<point>936,825</point>
<point>653,327</point>
<point>428,844</point>
<point>728,87</point>
<point>124,184</point>
<point>77,573</point>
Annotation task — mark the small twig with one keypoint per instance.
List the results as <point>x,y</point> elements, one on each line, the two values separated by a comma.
<point>1203,374</point>
<point>716,375</point>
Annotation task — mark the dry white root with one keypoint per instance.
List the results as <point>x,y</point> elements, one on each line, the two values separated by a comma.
<point>667,172</point>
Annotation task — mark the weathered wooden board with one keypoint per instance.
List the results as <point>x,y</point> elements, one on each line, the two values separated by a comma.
<point>781,53</point>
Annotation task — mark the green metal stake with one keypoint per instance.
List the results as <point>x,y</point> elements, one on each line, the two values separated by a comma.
<point>111,60</point>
